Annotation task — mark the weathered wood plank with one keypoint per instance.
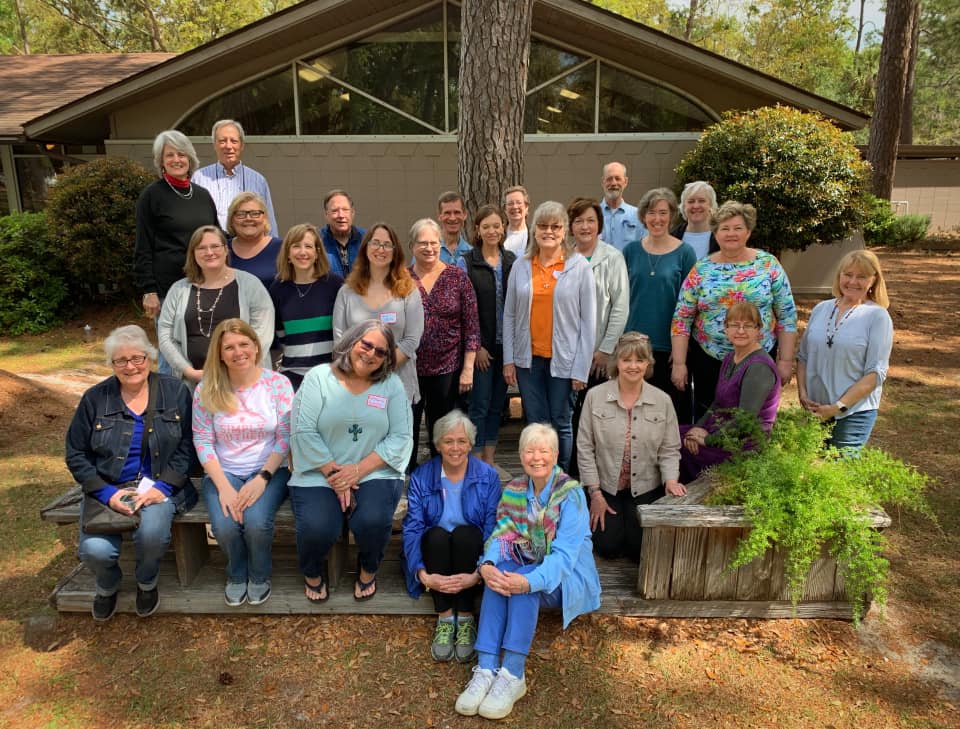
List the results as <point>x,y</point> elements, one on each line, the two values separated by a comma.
<point>689,557</point>
<point>753,579</point>
<point>778,577</point>
<point>696,515</point>
<point>656,563</point>
<point>821,578</point>
<point>190,547</point>
<point>719,582</point>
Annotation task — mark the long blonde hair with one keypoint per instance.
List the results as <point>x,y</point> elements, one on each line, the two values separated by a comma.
<point>217,395</point>
<point>869,264</point>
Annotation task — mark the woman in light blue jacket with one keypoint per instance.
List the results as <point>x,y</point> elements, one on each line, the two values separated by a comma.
<point>549,325</point>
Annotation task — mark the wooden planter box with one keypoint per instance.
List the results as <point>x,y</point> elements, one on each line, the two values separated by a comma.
<point>687,547</point>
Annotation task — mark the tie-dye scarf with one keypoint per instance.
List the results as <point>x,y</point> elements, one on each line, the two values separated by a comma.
<point>519,535</point>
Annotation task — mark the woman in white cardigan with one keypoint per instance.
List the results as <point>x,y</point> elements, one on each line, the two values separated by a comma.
<point>211,292</point>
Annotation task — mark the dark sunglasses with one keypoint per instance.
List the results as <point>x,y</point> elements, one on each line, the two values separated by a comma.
<point>370,347</point>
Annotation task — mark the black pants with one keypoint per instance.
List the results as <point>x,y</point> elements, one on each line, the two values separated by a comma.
<point>438,396</point>
<point>622,535</point>
<point>703,371</point>
<point>453,553</point>
<point>682,401</point>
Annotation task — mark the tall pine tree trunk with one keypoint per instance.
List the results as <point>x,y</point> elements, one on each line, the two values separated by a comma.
<point>891,86</point>
<point>494,56</point>
<point>906,124</point>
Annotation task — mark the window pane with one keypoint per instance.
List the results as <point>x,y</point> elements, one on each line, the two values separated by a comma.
<point>35,176</point>
<point>563,107</point>
<point>327,107</point>
<point>402,66</point>
<point>264,106</point>
<point>547,62</point>
<point>630,104</point>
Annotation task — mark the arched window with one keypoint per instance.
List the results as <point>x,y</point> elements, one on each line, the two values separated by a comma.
<point>403,80</point>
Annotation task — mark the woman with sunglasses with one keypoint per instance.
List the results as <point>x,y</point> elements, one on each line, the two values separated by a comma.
<point>352,436</point>
<point>379,287</point>
<point>749,383</point>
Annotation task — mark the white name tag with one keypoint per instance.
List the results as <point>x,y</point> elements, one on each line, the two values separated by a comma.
<point>145,485</point>
<point>376,401</point>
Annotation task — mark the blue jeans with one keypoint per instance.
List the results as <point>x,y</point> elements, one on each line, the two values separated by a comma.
<point>546,399</point>
<point>99,552</point>
<point>249,546</point>
<point>319,522</point>
<point>508,623</point>
<point>853,431</point>
<point>486,400</point>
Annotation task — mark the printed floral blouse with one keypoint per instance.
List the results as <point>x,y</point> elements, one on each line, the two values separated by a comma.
<point>711,288</point>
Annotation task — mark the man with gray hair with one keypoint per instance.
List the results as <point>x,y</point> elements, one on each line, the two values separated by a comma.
<point>228,176</point>
<point>620,222</point>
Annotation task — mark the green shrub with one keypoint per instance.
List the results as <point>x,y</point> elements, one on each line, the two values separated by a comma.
<point>906,230</point>
<point>92,209</point>
<point>881,227</point>
<point>802,496</point>
<point>31,291</point>
<point>803,174</point>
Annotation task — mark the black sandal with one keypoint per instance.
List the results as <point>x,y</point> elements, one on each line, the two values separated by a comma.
<point>320,587</point>
<point>360,585</point>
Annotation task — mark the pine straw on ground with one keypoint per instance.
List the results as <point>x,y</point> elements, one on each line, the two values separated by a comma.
<point>363,671</point>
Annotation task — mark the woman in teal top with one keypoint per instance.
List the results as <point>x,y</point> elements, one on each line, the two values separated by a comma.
<point>351,441</point>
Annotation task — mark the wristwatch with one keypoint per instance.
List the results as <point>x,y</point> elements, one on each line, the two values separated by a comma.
<point>840,406</point>
<point>267,475</point>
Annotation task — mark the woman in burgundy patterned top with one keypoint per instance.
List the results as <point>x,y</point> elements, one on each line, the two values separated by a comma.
<point>451,331</point>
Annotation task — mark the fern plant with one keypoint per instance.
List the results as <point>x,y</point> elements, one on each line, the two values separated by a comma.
<point>801,495</point>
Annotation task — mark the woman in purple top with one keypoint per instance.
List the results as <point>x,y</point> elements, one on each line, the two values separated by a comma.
<point>252,248</point>
<point>451,331</point>
<point>749,381</point>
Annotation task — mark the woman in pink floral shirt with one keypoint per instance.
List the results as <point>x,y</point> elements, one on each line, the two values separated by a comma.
<point>241,430</point>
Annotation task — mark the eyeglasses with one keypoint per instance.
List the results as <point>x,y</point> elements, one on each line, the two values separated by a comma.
<point>369,347</point>
<point>383,245</point>
<point>254,214</point>
<point>554,227</point>
<point>427,244</point>
<point>209,249</point>
<point>136,360</point>
<point>741,326</point>
<point>339,211</point>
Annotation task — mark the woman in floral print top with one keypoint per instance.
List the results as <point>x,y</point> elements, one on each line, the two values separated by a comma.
<point>241,430</point>
<point>734,273</point>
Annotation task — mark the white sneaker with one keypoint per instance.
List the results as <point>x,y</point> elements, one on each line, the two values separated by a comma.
<point>469,701</point>
<point>507,689</point>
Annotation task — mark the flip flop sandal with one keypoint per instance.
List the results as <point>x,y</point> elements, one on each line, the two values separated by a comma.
<point>321,587</point>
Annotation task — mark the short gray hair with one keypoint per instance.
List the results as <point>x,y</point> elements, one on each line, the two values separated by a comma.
<point>697,186</point>
<point>547,212</point>
<point>180,142</point>
<point>218,125</point>
<point>449,422</point>
<point>131,336</point>
<point>420,225</point>
<point>347,341</point>
<point>539,433</point>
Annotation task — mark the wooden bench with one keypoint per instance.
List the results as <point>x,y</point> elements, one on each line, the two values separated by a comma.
<point>189,541</point>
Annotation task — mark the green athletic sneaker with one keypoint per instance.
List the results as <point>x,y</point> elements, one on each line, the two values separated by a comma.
<point>442,648</point>
<point>463,647</point>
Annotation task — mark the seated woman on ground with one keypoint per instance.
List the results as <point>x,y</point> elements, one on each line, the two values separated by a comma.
<point>352,437</point>
<point>629,446</point>
<point>111,451</point>
<point>241,429</point>
<point>749,381</point>
<point>540,554</point>
<point>451,509</point>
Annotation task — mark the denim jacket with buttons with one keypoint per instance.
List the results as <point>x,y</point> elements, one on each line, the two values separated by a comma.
<point>99,436</point>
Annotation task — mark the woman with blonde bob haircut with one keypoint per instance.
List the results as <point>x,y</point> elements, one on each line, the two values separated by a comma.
<point>629,447</point>
<point>241,430</point>
<point>212,292</point>
<point>845,351</point>
<point>252,248</point>
<point>304,297</point>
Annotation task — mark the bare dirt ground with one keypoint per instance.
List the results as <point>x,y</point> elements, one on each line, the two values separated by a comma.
<point>366,671</point>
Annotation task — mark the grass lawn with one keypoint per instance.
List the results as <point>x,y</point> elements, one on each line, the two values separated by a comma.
<point>367,671</point>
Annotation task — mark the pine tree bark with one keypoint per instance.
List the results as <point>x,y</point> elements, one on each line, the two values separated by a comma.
<point>494,57</point>
<point>906,123</point>
<point>891,87</point>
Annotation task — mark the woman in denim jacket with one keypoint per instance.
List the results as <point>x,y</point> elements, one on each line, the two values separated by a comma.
<point>103,453</point>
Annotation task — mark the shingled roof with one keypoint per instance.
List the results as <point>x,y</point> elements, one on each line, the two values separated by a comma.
<point>34,85</point>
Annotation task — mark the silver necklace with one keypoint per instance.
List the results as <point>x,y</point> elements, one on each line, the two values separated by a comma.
<point>300,293</point>
<point>201,310</point>
<point>652,262</point>
<point>182,195</point>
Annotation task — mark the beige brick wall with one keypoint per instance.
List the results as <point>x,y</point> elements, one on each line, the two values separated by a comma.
<point>931,187</point>
<point>400,181</point>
